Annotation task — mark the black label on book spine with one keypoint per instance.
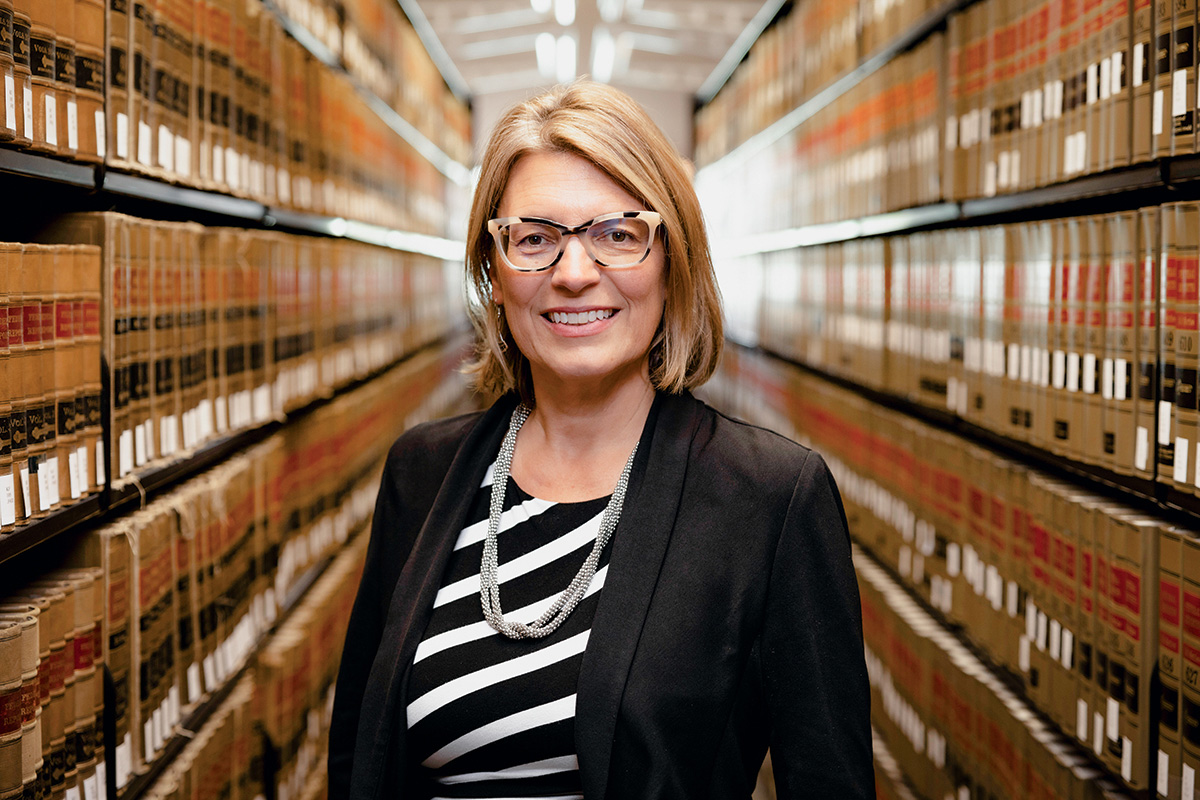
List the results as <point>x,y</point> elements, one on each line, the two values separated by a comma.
<point>64,64</point>
<point>66,417</point>
<point>119,6</point>
<point>5,434</point>
<point>21,43</point>
<point>89,74</point>
<point>43,54</point>
<point>120,68</point>
<point>6,32</point>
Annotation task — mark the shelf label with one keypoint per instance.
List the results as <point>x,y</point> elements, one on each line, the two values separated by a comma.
<point>101,131</point>
<point>1156,115</point>
<point>10,103</point>
<point>122,135</point>
<point>1181,460</point>
<point>1081,719</point>
<point>72,125</point>
<point>8,500</point>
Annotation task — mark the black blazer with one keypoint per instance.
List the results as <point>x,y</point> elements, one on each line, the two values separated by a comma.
<point>729,621</point>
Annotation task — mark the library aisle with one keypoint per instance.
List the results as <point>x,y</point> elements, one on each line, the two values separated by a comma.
<point>958,243</point>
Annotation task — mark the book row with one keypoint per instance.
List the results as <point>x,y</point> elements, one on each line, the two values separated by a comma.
<point>272,731</point>
<point>51,687</point>
<point>193,582</point>
<point>816,42</point>
<point>1075,335</point>
<point>204,331</point>
<point>213,94</point>
<point>1076,595</point>
<point>1016,94</point>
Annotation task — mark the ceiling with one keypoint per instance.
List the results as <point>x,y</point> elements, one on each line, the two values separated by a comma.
<point>490,47</point>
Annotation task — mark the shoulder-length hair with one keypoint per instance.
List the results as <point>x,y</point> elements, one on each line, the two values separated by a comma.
<point>608,128</point>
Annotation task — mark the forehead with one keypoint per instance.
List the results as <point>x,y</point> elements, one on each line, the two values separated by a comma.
<point>563,187</point>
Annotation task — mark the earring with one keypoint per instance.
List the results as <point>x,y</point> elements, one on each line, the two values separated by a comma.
<point>500,329</point>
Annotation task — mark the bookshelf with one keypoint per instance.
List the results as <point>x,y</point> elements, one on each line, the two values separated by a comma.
<point>309,155</point>
<point>957,251</point>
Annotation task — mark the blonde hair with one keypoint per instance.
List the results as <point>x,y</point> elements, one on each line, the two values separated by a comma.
<point>608,128</point>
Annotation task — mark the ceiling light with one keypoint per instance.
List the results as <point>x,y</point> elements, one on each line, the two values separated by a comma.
<point>541,6</point>
<point>604,54</point>
<point>610,10</point>
<point>566,58</point>
<point>547,55</point>
<point>564,12</point>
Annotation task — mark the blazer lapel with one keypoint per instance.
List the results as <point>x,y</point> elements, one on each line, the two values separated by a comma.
<point>412,599</point>
<point>639,545</point>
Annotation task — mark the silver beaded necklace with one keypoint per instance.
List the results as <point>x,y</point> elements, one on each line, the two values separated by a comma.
<point>489,586</point>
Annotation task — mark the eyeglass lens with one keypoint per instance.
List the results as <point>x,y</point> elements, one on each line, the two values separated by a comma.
<point>614,242</point>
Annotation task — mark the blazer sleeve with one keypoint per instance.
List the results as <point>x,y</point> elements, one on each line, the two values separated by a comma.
<point>814,671</point>
<point>412,475</point>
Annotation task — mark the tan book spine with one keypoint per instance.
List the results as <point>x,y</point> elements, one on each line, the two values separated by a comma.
<point>164,333</point>
<point>1091,108</point>
<point>1185,475</point>
<point>1043,331</point>
<point>220,89</point>
<point>1172,237</point>
<point>142,111</point>
<point>1092,358</point>
<point>66,372</point>
<point>141,265</point>
<point>1170,665</point>
<point>90,74</point>
<point>1120,149</point>
<point>8,91</point>
<point>92,462</point>
<point>1147,288</point>
<point>67,113</point>
<point>1088,631</point>
<point>118,89</point>
<point>1183,78</point>
<point>10,394</point>
<point>55,621</point>
<point>22,93</point>
<point>1161,122</point>
<point>1118,388</point>
<point>42,110</point>
<point>1143,64</point>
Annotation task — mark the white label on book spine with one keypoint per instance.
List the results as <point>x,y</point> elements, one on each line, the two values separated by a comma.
<point>1141,449</point>
<point>124,765</point>
<point>193,683</point>
<point>1015,167</point>
<point>1059,366</point>
<point>1126,758</point>
<point>1188,781</point>
<point>218,163</point>
<point>1164,771</point>
<point>1179,93</point>
<point>953,559</point>
<point>1012,592</point>
<point>1118,69</point>
<point>1068,649</point>
<point>1120,382</point>
<point>73,793</point>
<point>1097,732</point>
<point>51,120</point>
<point>125,455</point>
<point>48,483</point>
<point>122,135</point>
<point>1036,107</point>
<point>148,739</point>
<point>989,179</point>
<point>145,144</point>
<point>1093,83</point>
<point>1055,643</point>
<point>166,148</point>
<point>1089,373</point>
<point>28,110</point>
<point>25,493</point>
<point>89,788</point>
<point>1105,79</point>
<point>1113,716</point>
<point>139,445</point>
<point>72,125</point>
<point>183,156</point>
<point>10,103</point>
<point>1106,379</point>
<point>1042,631</point>
<point>1164,422</point>
<point>232,177</point>
<point>1081,719</point>
<point>1181,460</point>
<point>1014,361</point>
<point>73,474</point>
<point>1156,114</point>
<point>1139,77</point>
<point>222,415</point>
<point>101,474</point>
<point>81,468</point>
<point>1023,654</point>
<point>262,404</point>
<point>102,780</point>
<point>8,500</point>
<point>101,131</point>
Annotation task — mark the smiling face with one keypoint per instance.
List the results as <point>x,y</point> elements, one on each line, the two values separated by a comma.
<point>581,326</point>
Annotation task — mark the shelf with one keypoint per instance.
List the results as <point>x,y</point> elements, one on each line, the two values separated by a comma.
<point>408,241</point>
<point>139,785</point>
<point>32,165</point>
<point>60,521</point>
<point>142,188</point>
<point>932,21</point>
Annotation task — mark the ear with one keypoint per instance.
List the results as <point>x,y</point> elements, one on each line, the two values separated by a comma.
<point>497,290</point>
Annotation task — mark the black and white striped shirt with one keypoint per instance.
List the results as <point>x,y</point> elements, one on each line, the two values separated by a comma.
<point>492,717</point>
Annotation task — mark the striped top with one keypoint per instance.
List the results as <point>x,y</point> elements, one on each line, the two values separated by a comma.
<point>492,717</point>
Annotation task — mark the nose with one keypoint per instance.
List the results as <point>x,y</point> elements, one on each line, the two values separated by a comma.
<point>576,270</point>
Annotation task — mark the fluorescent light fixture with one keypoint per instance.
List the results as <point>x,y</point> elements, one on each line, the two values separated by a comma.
<point>610,10</point>
<point>564,12</point>
<point>566,58</point>
<point>547,53</point>
<point>604,54</point>
<point>541,6</point>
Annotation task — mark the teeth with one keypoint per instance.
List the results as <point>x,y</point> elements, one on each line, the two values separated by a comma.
<point>579,318</point>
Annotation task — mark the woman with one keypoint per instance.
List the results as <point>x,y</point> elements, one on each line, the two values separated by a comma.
<point>722,618</point>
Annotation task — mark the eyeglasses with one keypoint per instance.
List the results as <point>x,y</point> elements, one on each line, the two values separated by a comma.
<point>531,244</point>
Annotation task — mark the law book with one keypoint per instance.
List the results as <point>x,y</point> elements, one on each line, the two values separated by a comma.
<point>66,113</point>
<point>90,74</point>
<point>1064,624</point>
<point>22,723</point>
<point>194,364</point>
<point>41,101</point>
<point>8,110</point>
<point>1143,65</point>
<point>235,276</point>
<point>153,644</point>
<point>143,47</point>
<point>64,688</point>
<point>1018,319</point>
<point>274,89</point>
<point>1087,645</point>
<point>1147,287</point>
<point>1117,372</point>
<point>1092,287</point>
<point>164,344</point>
<point>1161,120</point>
<point>1064,359</point>
<point>1090,137</point>
<point>54,624</point>
<point>1044,328</point>
<point>38,483</point>
<point>213,413</point>
<point>137,442</point>
<point>118,92</point>
<point>1040,600</point>
<point>1169,291</point>
<point>295,182</point>
<point>216,29</point>
<point>1120,149</point>
<point>1187,349</point>
<point>1073,74</point>
<point>10,399</point>
<point>1183,78</point>
<point>67,371</point>
<point>91,455</point>
<point>1170,666</point>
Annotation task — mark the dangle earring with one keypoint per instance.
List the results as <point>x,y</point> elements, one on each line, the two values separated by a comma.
<point>500,329</point>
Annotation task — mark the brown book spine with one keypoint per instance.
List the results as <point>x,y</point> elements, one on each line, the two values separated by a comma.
<point>1092,288</point>
<point>1187,349</point>
<point>1183,78</point>
<point>89,80</point>
<point>1170,666</point>
<point>22,94</point>
<point>118,91</point>
<point>1117,383</point>
<point>1143,64</point>
<point>142,109</point>
<point>67,114</point>
<point>42,57</point>
<point>66,372</point>
<point>10,393</point>
<point>1169,282</point>
<point>1161,122</point>
<point>8,89</point>
<point>1147,286</point>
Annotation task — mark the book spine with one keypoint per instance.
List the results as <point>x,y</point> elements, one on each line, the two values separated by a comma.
<point>1161,121</point>
<point>142,112</point>
<point>42,62</point>
<point>1118,387</point>
<point>1092,428</point>
<point>1170,666</point>
<point>1147,341</point>
<point>67,111</point>
<point>1187,349</point>
<point>118,93</point>
<point>90,72</point>
<point>1172,237</point>
<point>1183,78</point>
<point>1144,65</point>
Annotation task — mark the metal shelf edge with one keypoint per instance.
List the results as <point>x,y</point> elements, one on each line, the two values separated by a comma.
<point>33,165</point>
<point>144,188</point>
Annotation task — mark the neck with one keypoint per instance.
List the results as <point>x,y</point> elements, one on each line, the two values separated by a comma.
<point>574,445</point>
